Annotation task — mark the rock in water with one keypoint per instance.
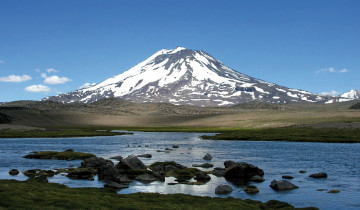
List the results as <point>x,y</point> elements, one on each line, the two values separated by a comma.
<point>242,172</point>
<point>145,155</point>
<point>131,162</point>
<point>257,178</point>
<point>204,165</point>
<point>114,185</point>
<point>318,175</point>
<point>228,163</point>
<point>107,172</point>
<point>14,172</point>
<point>223,189</point>
<point>251,189</point>
<point>207,157</point>
<point>282,185</point>
<point>146,178</point>
<point>95,162</point>
<point>202,177</point>
<point>287,177</point>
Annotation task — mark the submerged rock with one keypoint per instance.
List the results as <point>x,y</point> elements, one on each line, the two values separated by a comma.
<point>282,185</point>
<point>175,146</point>
<point>242,172</point>
<point>318,175</point>
<point>223,189</point>
<point>251,189</point>
<point>219,171</point>
<point>204,165</point>
<point>145,155</point>
<point>287,177</point>
<point>257,178</point>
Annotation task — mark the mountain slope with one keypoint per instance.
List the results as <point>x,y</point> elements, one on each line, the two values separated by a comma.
<point>352,94</point>
<point>187,77</point>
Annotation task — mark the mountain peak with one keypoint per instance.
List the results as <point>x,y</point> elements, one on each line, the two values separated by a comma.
<point>188,77</point>
<point>352,94</point>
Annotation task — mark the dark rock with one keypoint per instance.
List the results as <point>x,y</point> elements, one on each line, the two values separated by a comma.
<point>117,157</point>
<point>251,189</point>
<point>302,171</point>
<point>333,191</point>
<point>207,156</point>
<point>39,172</point>
<point>131,162</point>
<point>82,173</point>
<point>168,149</point>
<point>282,185</point>
<point>114,185</point>
<point>175,146</point>
<point>14,172</point>
<point>121,178</point>
<point>223,189</point>
<point>229,163</point>
<point>204,165</point>
<point>242,172</point>
<point>219,171</point>
<point>164,167</point>
<point>42,179</point>
<point>145,155</point>
<point>107,172</point>
<point>202,177</point>
<point>318,175</point>
<point>257,178</point>
<point>146,178</point>
<point>95,162</point>
<point>287,177</point>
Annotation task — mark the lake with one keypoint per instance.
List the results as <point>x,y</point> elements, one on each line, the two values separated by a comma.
<point>340,161</point>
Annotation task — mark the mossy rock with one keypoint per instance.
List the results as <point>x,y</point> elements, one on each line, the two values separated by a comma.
<point>183,174</point>
<point>251,189</point>
<point>65,155</point>
<point>166,163</point>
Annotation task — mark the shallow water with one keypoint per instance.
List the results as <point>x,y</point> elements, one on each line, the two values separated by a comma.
<point>340,161</point>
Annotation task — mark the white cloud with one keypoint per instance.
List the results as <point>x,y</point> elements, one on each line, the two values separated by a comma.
<point>331,93</point>
<point>15,78</point>
<point>343,71</point>
<point>37,88</point>
<point>2,61</point>
<point>332,70</point>
<point>50,70</point>
<point>86,85</point>
<point>55,80</point>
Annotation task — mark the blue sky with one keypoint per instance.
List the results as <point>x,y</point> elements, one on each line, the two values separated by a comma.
<point>51,47</point>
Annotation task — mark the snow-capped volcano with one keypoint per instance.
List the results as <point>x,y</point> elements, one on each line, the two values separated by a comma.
<point>352,94</point>
<point>188,77</point>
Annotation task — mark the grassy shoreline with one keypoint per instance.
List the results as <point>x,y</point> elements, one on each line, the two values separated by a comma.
<point>290,134</point>
<point>35,195</point>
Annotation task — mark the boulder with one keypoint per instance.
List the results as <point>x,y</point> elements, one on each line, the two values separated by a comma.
<point>229,163</point>
<point>204,165</point>
<point>242,172</point>
<point>131,162</point>
<point>14,172</point>
<point>207,156</point>
<point>282,185</point>
<point>333,191</point>
<point>95,162</point>
<point>39,172</point>
<point>202,177</point>
<point>287,177</point>
<point>107,172</point>
<point>175,146</point>
<point>121,178</point>
<point>146,178</point>
<point>223,189</point>
<point>257,178</point>
<point>164,167</point>
<point>318,175</point>
<point>251,189</point>
<point>82,173</point>
<point>114,185</point>
<point>145,155</point>
<point>302,171</point>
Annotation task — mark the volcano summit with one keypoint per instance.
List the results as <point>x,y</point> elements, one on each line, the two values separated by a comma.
<point>188,77</point>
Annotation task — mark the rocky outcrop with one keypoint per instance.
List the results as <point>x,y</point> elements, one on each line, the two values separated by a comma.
<point>82,173</point>
<point>14,172</point>
<point>107,172</point>
<point>131,162</point>
<point>223,189</point>
<point>282,185</point>
<point>229,163</point>
<point>95,162</point>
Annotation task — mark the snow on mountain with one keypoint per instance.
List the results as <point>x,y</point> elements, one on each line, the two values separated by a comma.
<point>352,94</point>
<point>188,77</point>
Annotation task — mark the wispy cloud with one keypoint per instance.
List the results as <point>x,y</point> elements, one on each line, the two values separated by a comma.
<point>50,70</point>
<point>331,93</point>
<point>55,80</point>
<point>2,61</point>
<point>38,89</point>
<point>332,70</point>
<point>15,78</point>
<point>86,85</point>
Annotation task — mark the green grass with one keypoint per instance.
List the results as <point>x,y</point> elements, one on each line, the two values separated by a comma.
<point>296,134</point>
<point>56,133</point>
<point>35,195</point>
<point>65,155</point>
